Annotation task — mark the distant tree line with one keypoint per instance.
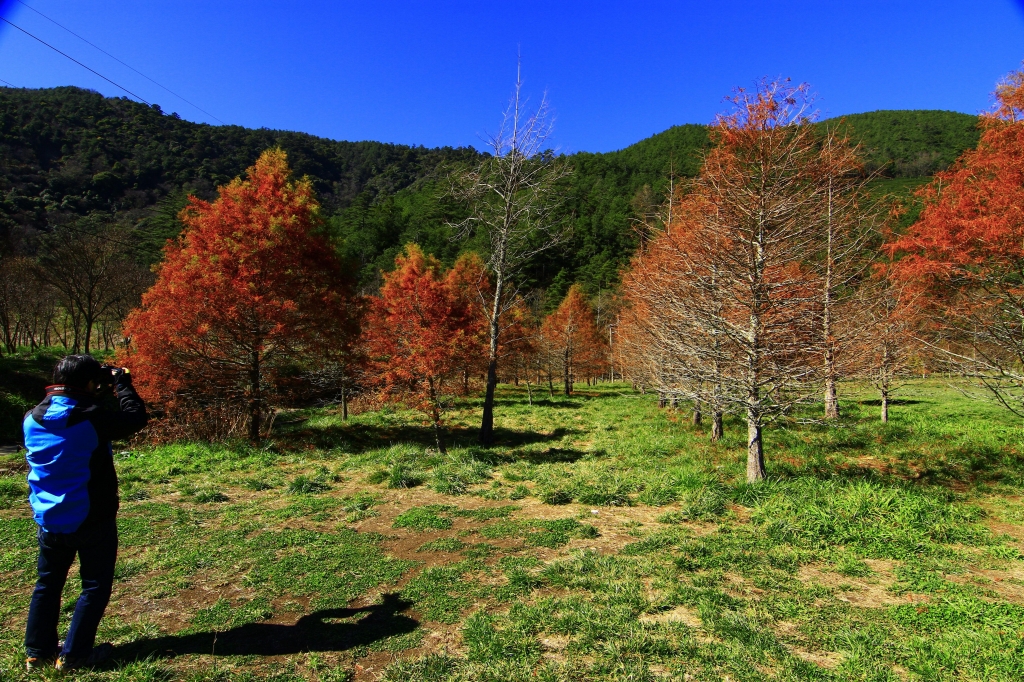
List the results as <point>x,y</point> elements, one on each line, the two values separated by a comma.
<point>67,153</point>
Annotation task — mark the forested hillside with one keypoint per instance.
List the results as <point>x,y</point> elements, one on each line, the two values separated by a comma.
<point>66,152</point>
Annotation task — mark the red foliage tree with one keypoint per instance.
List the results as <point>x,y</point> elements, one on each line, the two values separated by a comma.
<point>419,332</point>
<point>251,286</point>
<point>966,251</point>
<point>573,339</point>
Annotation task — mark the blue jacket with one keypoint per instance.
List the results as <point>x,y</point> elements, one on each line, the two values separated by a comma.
<point>71,476</point>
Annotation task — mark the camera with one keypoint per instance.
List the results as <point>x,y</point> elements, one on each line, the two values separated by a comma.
<point>111,376</point>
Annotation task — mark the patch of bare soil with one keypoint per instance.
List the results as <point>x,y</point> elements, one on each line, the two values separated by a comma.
<point>1015,531</point>
<point>794,640</point>
<point>680,614</point>
<point>869,592</point>
<point>1006,584</point>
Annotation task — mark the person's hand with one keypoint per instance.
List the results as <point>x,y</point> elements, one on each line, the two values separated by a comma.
<point>122,376</point>
<point>119,376</point>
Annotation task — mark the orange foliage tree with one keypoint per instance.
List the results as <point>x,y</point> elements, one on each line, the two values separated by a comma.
<point>573,340</point>
<point>725,296</point>
<point>251,286</point>
<point>966,251</point>
<point>419,331</point>
<point>469,278</point>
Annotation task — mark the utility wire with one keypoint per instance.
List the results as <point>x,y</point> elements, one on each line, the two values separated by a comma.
<point>75,61</point>
<point>10,85</point>
<point>119,61</point>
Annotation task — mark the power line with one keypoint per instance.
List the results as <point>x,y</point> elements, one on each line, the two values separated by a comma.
<point>10,85</point>
<point>75,61</point>
<point>120,62</point>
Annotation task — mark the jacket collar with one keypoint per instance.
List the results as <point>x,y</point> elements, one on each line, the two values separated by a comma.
<point>70,391</point>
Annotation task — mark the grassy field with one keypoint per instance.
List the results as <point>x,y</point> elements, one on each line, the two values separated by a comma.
<point>603,539</point>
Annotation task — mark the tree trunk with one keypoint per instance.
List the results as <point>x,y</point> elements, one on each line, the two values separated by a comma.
<point>487,423</point>
<point>465,380</point>
<point>831,399</point>
<point>439,440</point>
<point>755,449</point>
<point>435,413</point>
<point>716,426</point>
<point>885,405</point>
<point>344,403</point>
<point>88,334</point>
<point>529,392</point>
<point>487,420</point>
<point>698,416</point>
<point>255,398</point>
<point>568,377</point>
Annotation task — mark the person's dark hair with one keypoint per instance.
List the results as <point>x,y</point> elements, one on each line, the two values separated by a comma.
<point>77,370</point>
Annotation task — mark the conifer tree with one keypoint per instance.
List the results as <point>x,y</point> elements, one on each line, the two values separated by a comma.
<point>251,286</point>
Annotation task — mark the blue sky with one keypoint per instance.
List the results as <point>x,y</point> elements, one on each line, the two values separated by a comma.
<point>438,73</point>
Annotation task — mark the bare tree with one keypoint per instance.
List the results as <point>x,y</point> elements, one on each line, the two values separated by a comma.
<point>88,264</point>
<point>890,318</point>
<point>849,220</point>
<point>513,202</point>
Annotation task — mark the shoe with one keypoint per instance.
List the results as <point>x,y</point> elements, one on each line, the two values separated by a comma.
<point>100,654</point>
<point>37,663</point>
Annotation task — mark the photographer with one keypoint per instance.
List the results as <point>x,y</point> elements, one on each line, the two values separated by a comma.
<point>73,493</point>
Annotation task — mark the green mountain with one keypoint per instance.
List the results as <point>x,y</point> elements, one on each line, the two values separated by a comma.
<point>66,152</point>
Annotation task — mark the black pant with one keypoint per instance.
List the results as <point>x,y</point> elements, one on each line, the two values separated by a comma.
<point>96,547</point>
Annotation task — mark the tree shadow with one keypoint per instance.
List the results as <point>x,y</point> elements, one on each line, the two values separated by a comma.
<point>318,631</point>
<point>359,438</point>
<point>564,404</point>
<point>893,402</point>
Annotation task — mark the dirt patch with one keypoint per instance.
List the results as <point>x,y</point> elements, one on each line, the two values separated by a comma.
<point>1007,584</point>
<point>1013,530</point>
<point>824,659</point>
<point>870,592</point>
<point>791,636</point>
<point>680,614</point>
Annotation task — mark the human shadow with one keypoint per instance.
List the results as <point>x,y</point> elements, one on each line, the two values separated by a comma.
<point>326,630</point>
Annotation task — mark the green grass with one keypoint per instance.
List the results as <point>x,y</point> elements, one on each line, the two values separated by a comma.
<point>600,539</point>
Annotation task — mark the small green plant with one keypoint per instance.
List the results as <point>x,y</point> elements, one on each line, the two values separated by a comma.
<point>207,495</point>
<point>360,506</point>
<point>423,518</point>
<point>134,494</point>
<point>306,485</point>
<point>396,476</point>
<point>200,494</point>
<point>555,496</point>
<point>259,483</point>
<point>520,492</point>
<point>12,491</point>
<point>454,477</point>
<point>442,545</point>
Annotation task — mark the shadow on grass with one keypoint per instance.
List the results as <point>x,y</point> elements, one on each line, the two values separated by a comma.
<point>893,402</point>
<point>362,437</point>
<point>558,404</point>
<point>316,631</point>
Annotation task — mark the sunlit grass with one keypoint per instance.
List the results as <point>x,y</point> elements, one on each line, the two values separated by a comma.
<point>601,538</point>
